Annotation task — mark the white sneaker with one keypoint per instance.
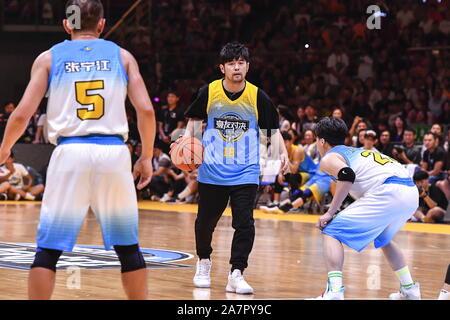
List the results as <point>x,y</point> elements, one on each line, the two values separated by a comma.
<point>411,293</point>
<point>165,198</point>
<point>17,197</point>
<point>444,295</point>
<point>329,294</point>
<point>202,278</point>
<point>237,283</point>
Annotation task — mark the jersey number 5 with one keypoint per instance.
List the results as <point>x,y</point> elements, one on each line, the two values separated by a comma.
<point>377,157</point>
<point>83,97</point>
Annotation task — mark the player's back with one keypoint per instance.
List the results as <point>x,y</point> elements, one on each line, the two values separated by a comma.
<point>87,90</point>
<point>371,168</point>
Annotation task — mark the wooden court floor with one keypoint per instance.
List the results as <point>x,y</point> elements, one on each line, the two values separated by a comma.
<point>286,262</point>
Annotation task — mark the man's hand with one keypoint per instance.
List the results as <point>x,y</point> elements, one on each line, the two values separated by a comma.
<point>323,220</point>
<point>284,163</point>
<point>143,169</point>
<point>280,178</point>
<point>4,155</point>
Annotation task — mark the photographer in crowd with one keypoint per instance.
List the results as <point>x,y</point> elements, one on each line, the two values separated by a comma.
<point>407,152</point>
<point>432,202</point>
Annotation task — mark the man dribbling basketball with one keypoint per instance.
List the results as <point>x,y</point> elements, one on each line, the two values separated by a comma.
<point>235,111</point>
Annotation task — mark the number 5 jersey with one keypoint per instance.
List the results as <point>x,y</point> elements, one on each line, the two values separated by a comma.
<point>87,90</point>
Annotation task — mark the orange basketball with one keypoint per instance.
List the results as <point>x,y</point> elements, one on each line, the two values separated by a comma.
<point>187,154</point>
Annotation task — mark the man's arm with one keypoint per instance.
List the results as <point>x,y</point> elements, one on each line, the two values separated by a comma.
<point>332,164</point>
<point>140,99</point>
<point>29,179</point>
<point>31,100</point>
<point>438,165</point>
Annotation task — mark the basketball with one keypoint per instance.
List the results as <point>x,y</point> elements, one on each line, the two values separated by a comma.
<point>187,154</point>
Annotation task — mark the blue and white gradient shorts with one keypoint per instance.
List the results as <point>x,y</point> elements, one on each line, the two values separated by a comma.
<point>87,173</point>
<point>377,216</point>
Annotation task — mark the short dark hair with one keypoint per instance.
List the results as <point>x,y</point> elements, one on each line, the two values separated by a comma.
<point>410,130</point>
<point>232,51</point>
<point>91,12</point>
<point>420,175</point>
<point>429,133</point>
<point>286,136</point>
<point>333,130</point>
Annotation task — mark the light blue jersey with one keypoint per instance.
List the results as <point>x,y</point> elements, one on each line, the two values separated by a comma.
<point>87,90</point>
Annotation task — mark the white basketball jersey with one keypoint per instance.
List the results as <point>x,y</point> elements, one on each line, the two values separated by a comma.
<point>371,168</point>
<point>87,90</point>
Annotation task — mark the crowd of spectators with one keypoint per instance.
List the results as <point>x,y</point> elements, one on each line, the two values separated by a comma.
<point>313,58</point>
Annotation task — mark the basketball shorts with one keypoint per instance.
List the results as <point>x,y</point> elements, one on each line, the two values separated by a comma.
<point>319,184</point>
<point>375,217</point>
<point>87,173</point>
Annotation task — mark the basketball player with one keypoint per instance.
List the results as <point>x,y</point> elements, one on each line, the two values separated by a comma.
<point>386,199</point>
<point>235,111</point>
<point>445,291</point>
<point>87,80</point>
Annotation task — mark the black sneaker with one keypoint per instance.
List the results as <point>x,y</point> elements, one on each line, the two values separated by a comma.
<point>3,197</point>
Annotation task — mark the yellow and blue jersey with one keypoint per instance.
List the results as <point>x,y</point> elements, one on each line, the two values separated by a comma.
<point>231,137</point>
<point>87,90</point>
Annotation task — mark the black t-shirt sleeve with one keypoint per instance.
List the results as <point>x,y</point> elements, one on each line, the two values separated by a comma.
<point>197,109</point>
<point>440,155</point>
<point>267,112</point>
<point>439,197</point>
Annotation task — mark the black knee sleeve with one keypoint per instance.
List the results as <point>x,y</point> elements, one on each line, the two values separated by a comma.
<point>130,258</point>
<point>295,180</point>
<point>447,277</point>
<point>46,258</point>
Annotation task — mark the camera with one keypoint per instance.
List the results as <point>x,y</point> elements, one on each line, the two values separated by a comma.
<point>420,189</point>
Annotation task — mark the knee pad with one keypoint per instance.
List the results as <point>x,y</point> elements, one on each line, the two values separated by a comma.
<point>447,277</point>
<point>305,195</point>
<point>130,258</point>
<point>46,258</point>
<point>295,180</point>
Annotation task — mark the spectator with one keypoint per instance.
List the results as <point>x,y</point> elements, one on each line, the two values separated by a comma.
<point>337,64</point>
<point>399,127</point>
<point>159,185</point>
<point>436,101</point>
<point>370,140</point>
<point>337,113</point>
<point>47,13</point>
<point>14,174</point>
<point>407,152</point>
<point>311,118</point>
<point>4,116</point>
<point>438,131</point>
<point>385,145</point>
<point>433,158</point>
<point>171,117</point>
<point>298,124</point>
<point>445,115</point>
<point>310,145</point>
<point>432,202</point>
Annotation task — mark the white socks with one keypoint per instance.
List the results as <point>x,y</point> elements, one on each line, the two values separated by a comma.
<point>404,276</point>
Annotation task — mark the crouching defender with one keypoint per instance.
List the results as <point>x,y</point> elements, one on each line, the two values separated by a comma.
<point>386,199</point>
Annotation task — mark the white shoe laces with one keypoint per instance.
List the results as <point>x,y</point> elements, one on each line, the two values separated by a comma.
<point>203,269</point>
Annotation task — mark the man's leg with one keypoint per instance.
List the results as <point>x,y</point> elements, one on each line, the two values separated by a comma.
<point>333,252</point>
<point>445,291</point>
<point>41,280</point>
<point>242,198</point>
<point>408,288</point>
<point>212,202</point>
<point>435,214</point>
<point>133,271</point>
